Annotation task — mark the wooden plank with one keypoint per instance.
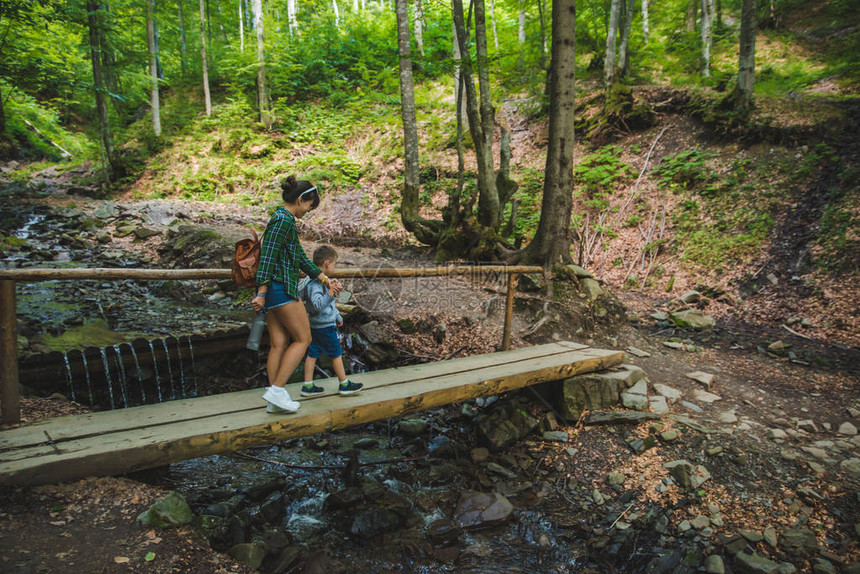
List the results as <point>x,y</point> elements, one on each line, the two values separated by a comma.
<point>61,429</point>
<point>135,449</point>
<point>10,409</point>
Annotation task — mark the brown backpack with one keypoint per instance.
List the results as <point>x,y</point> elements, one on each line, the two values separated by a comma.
<point>246,261</point>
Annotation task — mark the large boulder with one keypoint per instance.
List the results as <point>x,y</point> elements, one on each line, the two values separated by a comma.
<point>476,509</point>
<point>172,510</point>
<point>505,425</point>
<point>692,319</point>
<point>594,391</point>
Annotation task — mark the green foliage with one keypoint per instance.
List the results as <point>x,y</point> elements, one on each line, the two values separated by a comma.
<point>686,169</point>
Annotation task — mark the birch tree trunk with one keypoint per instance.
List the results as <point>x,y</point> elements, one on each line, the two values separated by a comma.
<point>291,16</point>
<point>645,24</point>
<point>707,14</point>
<point>206,97</point>
<point>262,96</point>
<point>336,13</point>
<point>153,69</point>
<point>609,69</point>
<point>551,243</point>
<point>493,19</point>
<point>624,48</point>
<point>458,84</point>
<point>183,45</point>
<point>521,30</point>
<point>241,28</point>
<point>542,30</point>
<point>419,27</point>
<point>746,57</point>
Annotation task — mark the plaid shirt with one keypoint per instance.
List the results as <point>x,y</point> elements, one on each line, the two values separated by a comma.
<point>281,254</point>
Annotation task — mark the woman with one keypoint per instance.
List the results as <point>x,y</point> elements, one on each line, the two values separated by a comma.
<point>281,259</point>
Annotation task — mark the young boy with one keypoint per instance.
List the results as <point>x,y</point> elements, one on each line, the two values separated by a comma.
<point>324,318</point>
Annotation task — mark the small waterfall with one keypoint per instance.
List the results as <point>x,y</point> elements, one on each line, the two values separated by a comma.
<point>193,368</point>
<point>69,373</point>
<point>87,371</point>
<point>122,377</point>
<point>139,374</point>
<point>182,386</point>
<point>155,368</point>
<point>169,368</point>
<point>108,378</point>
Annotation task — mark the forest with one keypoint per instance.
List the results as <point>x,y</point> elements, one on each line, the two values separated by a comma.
<point>686,172</point>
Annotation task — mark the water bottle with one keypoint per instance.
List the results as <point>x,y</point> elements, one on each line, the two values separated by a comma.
<point>256,331</point>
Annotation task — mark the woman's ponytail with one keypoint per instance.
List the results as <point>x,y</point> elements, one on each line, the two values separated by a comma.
<point>293,189</point>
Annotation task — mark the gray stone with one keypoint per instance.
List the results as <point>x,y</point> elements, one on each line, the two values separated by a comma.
<point>777,434</point>
<point>172,510</point>
<point>500,470</point>
<point>145,232</point>
<point>476,509</point>
<point>799,541</point>
<point>412,427</point>
<point>671,394</point>
<point>815,451</point>
<point>851,466</point>
<point>714,564</point>
<point>686,475</point>
<point>690,296</point>
<point>822,566</point>
<point>727,417</point>
<point>637,352</point>
<point>684,525</point>
<point>636,397</point>
<point>615,478</point>
<point>787,568</point>
<point>248,553</point>
<point>700,522</point>
<point>597,497</point>
<point>579,272</point>
<point>770,536</point>
<point>853,568</point>
<point>751,536</point>
<point>590,287</point>
<point>777,347</point>
<point>556,436</point>
<point>692,319</point>
<point>816,468</point>
<point>754,564</point>
<point>705,396</point>
<point>701,377</point>
<point>807,425</point>
<point>304,527</point>
<point>847,428</point>
<point>674,345</point>
<point>480,454</point>
<point>669,435</point>
<point>505,425</point>
<point>596,391</point>
<point>619,417</point>
<point>658,404</point>
<point>692,406</point>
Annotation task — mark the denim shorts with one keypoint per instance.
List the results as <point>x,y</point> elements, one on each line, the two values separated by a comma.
<point>324,341</point>
<point>276,296</point>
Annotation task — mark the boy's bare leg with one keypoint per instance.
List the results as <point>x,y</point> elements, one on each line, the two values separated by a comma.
<point>310,363</point>
<point>337,364</point>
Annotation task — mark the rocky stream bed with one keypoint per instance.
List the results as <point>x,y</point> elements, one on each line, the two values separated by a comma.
<point>709,451</point>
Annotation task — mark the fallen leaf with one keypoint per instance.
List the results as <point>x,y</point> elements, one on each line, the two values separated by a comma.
<point>121,560</point>
<point>150,556</point>
<point>58,523</point>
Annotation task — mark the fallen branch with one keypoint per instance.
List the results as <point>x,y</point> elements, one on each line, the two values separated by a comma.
<point>66,154</point>
<point>793,332</point>
<point>642,172</point>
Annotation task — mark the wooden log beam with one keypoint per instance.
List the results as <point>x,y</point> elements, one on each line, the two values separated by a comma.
<point>10,408</point>
<point>35,274</point>
<point>509,313</point>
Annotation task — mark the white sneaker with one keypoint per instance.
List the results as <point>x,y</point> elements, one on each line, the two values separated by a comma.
<point>280,399</point>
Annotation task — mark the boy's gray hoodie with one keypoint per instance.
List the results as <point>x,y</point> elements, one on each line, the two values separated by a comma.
<point>321,307</point>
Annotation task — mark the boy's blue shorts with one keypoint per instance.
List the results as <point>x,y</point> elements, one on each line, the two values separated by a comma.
<point>324,341</point>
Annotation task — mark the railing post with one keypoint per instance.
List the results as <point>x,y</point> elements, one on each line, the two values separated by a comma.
<point>10,408</point>
<point>509,313</point>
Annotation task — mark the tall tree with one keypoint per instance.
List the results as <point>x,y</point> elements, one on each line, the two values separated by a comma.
<point>707,17</point>
<point>645,24</point>
<point>424,230</point>
<point>419,27</point>
<point>183,45</point>
<point>336,11</point>
<point>521,28</point>
<point>206,96</point>
<point>489,209</point>
<point>551,243</point>
<point>609,66</point>
<point>746,57</point>
<point>112,164</point>
<point>241,28</point>
<point>153,69</point>
<point>292,16</point>
<point>692,10</point>
<point>493,19</point>
<point>624,47</point>
<point>262,96</point>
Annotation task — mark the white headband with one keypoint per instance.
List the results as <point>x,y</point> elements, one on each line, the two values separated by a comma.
<point>314,188</point>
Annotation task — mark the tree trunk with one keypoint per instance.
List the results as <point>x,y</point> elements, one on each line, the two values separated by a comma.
<point>624,48</point>
<point>719,14</point>
<point>692,10</point>
<point>542,32</point>
<point>292,8</point>
<point>488,199</point>
<point>183,45</point>
<point>645,25</point>
<point>419,27</point>
<point>551,243</point>
<point>707,14</point>
<point>159,71</point>
<point>336,13</point>
<point>425,231</point>
<point>112,165</point>
<point>746,58</point>
<point>241,28</point>
<point>262,96</point>
<point>609,69</point>
<point>153,69</point>
<point>493,19</point>
<point>206,97</point>
<point>521,30</point>
<point>2,115</point>
<point>458,83</point>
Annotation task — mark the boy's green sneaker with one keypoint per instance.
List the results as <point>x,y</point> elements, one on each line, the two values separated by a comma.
<point>347,387</point>
<point>309,390</point>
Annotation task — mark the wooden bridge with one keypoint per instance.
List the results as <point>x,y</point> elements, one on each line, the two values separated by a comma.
<point>121,441</point>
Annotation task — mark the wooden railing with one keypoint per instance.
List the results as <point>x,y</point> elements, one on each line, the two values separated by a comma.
<point>10,409</point>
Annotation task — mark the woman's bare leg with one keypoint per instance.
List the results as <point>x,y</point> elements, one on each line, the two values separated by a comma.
<point>291,332</point>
